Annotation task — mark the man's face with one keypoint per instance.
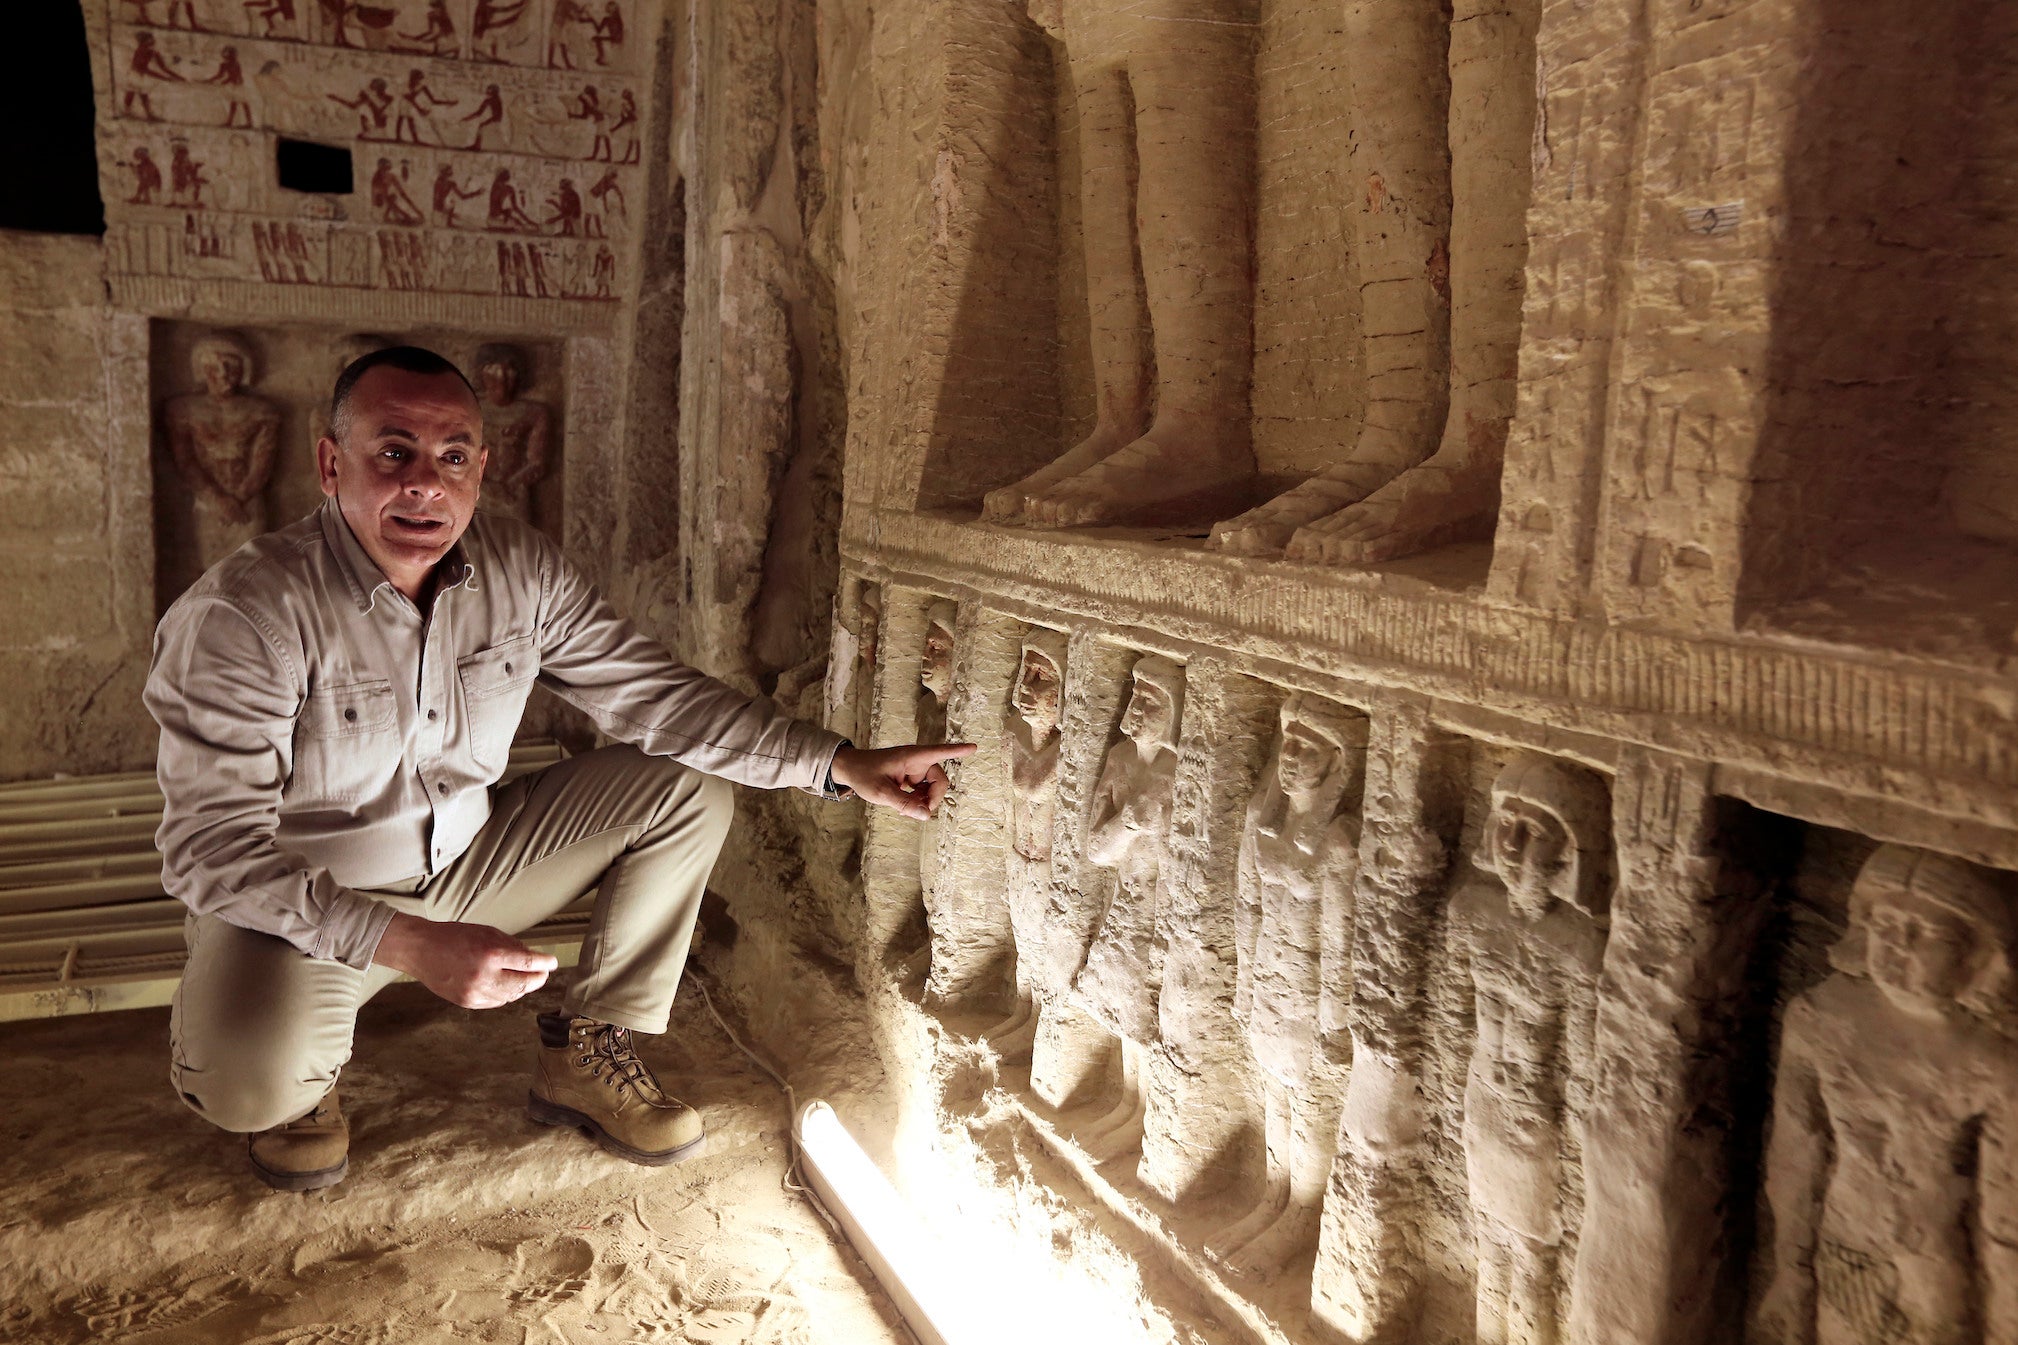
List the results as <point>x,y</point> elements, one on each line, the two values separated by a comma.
<point>1036,694</point>
<point>223,372</point>
<point>408,470</point>
<point>1921,954</point>
<point>1306,759</point>
<point>499,381</point>
<point>1148,716</point>
<point>1530,852</point>
<point>936,673</point>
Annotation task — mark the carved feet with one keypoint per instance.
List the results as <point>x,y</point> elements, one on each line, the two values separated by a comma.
<point>1015,1035</point>
<point>1275,1233</point>
<point>1182,468</point>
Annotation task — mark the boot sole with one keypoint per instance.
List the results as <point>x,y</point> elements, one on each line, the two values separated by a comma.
<point>548,1113</point>
<point>301,1181</point>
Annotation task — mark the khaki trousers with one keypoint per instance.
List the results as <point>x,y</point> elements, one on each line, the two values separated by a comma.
<point>260,1031</point>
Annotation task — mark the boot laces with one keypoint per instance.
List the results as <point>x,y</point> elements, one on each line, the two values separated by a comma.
<point>613,1043</point>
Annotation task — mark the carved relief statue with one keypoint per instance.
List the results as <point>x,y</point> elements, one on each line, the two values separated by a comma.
<point>1529,940</point>
<point>1441,240</point>
<point>1293,912</point>
<point>223,440</point>
<point>1031,739</point>
<point>517,430</point>
<point>1165,113</point>
<point>935,672</point>
<point>1892,1171</point>
<point>1126,835</point>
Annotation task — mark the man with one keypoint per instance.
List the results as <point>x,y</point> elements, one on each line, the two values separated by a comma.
<point>336,700</point>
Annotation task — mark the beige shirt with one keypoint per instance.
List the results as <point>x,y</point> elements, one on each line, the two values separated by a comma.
<point>319,735</point>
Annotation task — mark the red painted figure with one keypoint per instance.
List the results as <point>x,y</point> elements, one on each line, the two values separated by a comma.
<point>505,210</point>
<point>627,115</point>
<point>567,14</point>
<point>589,108</point>
<point>605,272</point>
<point>439,32</point>
<point>447,191</point>
<point>492,20</point>
<point>185,178</point>
<point>389,198</point>
<point>187,9</point>
<point>146,178</point>
<point>342,13</point>
<point>491,109</point>
<point>267,11</point>
<point>609,32</point>
<point>232,77</point>
<point>373,105</point>
<point>147,63</point>
<point>567,207</point>
<point>423,101</point>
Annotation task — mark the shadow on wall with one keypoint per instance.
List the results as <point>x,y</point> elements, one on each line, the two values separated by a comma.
<point>1885,464</point>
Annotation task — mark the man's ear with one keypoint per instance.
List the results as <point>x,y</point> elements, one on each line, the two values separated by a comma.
<point>325,465</point>
<point>482,461</point>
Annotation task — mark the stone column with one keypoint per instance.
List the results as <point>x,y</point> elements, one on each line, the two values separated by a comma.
<point>1657,1152</point>
<point>891,887</point>
<point>1367,1282</point>
<point>964,870</point>
<point>1198,1077</point>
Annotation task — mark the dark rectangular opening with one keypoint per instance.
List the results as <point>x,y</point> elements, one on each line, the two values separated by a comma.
<point>49,159</point>
<point>307,166</point>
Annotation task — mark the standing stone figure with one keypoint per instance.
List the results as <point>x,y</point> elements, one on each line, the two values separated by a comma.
<point>1165,97</point>
<point>935,672</point>
<point>1443,111</point>
<point>1529,943</point>
<point>1130,824</point>
<point>223,440</point>
<point>1892,1170</point>
<point>1293,913</point>
<point>517,430</point>
<point>1030,745</point>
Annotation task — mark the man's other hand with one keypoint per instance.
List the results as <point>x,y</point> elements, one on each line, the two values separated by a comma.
<point>475,966</point>
<point>909,779</point>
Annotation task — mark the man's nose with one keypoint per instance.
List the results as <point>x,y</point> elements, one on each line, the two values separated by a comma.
<point>422,476</point>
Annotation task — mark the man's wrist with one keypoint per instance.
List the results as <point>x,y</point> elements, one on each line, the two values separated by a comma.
<point>828,788</point>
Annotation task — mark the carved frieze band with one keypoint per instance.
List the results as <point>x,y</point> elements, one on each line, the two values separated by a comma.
<point>1943,741</point>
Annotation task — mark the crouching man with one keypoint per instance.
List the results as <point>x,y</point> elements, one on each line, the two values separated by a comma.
<point>336,701</point>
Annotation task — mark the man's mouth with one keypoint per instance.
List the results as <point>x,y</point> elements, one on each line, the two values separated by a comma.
<point>419,523</point>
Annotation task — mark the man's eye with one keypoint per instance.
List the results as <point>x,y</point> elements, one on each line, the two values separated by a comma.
<point>395,454</point>
<point>455,459</point>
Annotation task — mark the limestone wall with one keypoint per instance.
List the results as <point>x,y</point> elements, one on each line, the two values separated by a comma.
<point>1483,728</point>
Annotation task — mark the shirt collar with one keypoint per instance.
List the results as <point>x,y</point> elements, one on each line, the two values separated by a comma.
<point>361,573</point>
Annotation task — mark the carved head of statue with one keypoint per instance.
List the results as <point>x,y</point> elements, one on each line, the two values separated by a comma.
<point>1930,931</point>
<point>1039,693</point>
<point>500,371</point>
<point>222,362</point>
<point>1320,745</point>
<point>1545,840</point>
<point>935,671</point>
<point>1154,702</point>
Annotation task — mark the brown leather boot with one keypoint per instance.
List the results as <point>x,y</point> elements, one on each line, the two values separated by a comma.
<point>306,1154</point>
<point>589,1077</point>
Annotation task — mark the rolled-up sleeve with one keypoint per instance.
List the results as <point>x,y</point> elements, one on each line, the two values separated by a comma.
<point>639,693</point>
<point>226,699</point>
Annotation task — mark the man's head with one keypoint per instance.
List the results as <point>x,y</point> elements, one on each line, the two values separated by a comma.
<point>223,362</point>
<point>1318,739</point>
<point>403,459</point>
<point>1155,701</point>
<point>935,671</point>
<point>500,372</point>
<point>1931,931</point>
<point>1040,678</point>
<point>1546,836</point>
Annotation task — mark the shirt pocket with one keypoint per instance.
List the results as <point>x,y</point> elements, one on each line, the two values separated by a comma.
<point>495,684</point>
<point>346,742</point>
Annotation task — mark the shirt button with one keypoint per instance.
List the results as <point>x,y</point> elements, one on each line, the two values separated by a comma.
<point>441,787</point>
<point>350,715</point>
<point>434,714</point>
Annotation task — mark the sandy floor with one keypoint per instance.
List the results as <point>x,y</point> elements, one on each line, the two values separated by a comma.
<point>128,1219</point>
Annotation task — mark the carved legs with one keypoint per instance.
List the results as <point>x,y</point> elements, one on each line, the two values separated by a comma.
<point>1301,1133</point>
<point>1118,1132</point>
<point>1516,1290</point>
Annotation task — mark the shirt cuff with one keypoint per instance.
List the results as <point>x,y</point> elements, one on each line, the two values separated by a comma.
<point>822,783</point>
<point>351,929</point>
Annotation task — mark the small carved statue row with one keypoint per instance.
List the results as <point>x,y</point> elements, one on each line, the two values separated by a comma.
<point>1891,1183</point>
<point>224,437</point>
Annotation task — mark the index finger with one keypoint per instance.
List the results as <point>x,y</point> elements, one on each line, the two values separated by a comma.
<point>925,754</point>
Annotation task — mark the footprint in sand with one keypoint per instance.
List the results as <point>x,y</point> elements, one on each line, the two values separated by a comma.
<point>328,1333</point>
<point>552,1273</point>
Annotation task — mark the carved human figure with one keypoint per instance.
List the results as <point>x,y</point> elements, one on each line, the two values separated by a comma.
<point>447,192</point>
<point>1293,911</point>
<point>1528,940</point>
<point>1165,99</point>
<point>223,440</point>
<point>935,672</point>
<point>517,432</point>
<point>487,113</point>
<point>870,634</point>
<point>1443,111</point>
<point>1031,739</point>
<point>1892,1168</point>
<point>1130,822</point>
